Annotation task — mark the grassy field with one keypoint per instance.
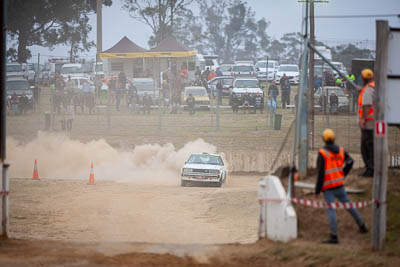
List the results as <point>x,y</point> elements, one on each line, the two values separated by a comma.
<point>237,132</point>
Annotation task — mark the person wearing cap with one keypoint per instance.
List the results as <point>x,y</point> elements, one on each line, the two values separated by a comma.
<point>333,164</point>
<point>366,120</point>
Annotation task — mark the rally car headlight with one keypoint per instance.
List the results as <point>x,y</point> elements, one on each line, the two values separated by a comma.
<point>214,171</point>
<point>187,170</point>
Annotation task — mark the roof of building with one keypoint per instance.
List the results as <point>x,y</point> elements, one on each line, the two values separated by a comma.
<point>125,45</point>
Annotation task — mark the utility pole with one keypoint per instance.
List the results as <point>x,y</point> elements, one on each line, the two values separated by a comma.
<point>302,129</point>
<point>4,165</point>
<point>311,77</point>
<point>380,141</point>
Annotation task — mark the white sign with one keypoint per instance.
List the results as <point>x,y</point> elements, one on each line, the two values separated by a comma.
<point>392,111</point>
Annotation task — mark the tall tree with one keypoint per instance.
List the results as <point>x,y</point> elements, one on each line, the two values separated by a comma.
<point>43,22</point>
<point>345,54</point>
<point>292,42</point>
<point>159,15</point>
<point>231,30</point>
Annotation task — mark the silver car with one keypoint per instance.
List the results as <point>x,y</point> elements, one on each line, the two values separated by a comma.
<point>322,97</point>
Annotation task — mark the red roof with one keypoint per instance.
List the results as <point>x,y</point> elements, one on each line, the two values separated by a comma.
<point>125,46</point>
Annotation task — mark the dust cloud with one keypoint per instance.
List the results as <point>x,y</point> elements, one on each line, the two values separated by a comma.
<point>60,157</point>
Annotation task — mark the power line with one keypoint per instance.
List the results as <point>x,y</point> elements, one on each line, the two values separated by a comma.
<point>357,16</point>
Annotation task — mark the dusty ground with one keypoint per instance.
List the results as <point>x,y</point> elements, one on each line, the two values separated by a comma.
<point>70,223</point>
<point>125,212</point>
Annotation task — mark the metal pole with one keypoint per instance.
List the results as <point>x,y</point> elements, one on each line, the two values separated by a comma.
<point>163,101</point>
<point>217,111</point>
<point>380,142</point>
<point>4,195</point>
<point>3,82</point>
<point>3,103</point>
<point>311,78</point>
<point>300,99</point>
<point>303,107</point>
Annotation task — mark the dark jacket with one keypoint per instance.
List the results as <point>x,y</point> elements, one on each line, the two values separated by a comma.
<point>273,90</point>
<point>348,164</point>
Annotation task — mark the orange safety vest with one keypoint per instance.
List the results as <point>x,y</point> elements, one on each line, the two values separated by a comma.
<point>334,175</point>
<point>370,114</point>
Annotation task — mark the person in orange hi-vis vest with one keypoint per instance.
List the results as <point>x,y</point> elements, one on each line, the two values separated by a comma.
<point>366,120</point>
<point>333,165</point>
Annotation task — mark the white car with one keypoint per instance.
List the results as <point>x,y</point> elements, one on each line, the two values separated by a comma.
<point>206,169</point>
<point>246,85</point>
<point>227,69</point>
<point>261,68</point>
<point>244,70</point>
<point>291,71</point>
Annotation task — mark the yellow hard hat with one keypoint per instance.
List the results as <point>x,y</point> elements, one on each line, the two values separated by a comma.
<point>328,135</point>
<point>367,74</point>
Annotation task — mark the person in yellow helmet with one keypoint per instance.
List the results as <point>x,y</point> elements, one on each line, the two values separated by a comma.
<point>366,120</point>
<point>333,164</point>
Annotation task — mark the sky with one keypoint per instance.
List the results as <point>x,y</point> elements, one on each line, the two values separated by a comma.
<point>284,16</point>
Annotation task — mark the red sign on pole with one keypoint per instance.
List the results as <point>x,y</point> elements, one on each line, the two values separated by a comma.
<point>380,128</point>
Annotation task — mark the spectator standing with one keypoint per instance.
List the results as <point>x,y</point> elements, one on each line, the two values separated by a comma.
<point>366,120</point>
<point>333,164</point>
<point>334,102</point>
<point>218,72</point>
<point>147,102</point>
<point>285,93</point>
<point>273,91</point>
<point>14,103</point>
<point>258,103</point>
<point>70,115</point>
<point>246,102</point>
<point>190,100</point>
<point>24,103</point>
<point>235,102</point>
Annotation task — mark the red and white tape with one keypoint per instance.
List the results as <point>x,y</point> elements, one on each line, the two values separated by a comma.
<point>2,192</point>
<point>323,204</point>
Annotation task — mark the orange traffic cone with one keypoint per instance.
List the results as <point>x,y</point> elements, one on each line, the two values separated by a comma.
<point>35,175</point>
<point>91,176</point>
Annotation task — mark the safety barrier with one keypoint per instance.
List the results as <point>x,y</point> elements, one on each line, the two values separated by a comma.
<point>322,204</point>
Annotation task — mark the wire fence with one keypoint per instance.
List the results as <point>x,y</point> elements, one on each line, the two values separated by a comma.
<point>255,138</point>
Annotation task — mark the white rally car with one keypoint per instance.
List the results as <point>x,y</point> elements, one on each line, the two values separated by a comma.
<point>206,169</point>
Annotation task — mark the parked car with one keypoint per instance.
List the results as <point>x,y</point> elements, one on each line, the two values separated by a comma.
<point>291,71</point>
<point>322,94</point>
<point>227,69</point>
<point>341,67</point>
<point>29,72</point>
<point>244,70</point>
<point>249,85</point>
<point>79,81</point>
<point>19,86</point>
<point>204,169</point>
<point>14,70</point>
<point>226,85</point>
<point>146,85</point>
<point>202,100</point>
<point>71,70</point>
<point>261,68</point>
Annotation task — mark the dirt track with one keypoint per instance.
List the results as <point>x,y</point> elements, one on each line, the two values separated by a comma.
<point>71,210</point>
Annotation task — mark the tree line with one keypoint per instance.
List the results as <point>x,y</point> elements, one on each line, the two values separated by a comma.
<point>227,28</point>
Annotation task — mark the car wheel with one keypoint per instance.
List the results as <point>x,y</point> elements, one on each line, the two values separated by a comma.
<point>183,183</point>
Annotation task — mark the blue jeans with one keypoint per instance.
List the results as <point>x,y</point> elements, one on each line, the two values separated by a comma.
<point>340,194</point>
